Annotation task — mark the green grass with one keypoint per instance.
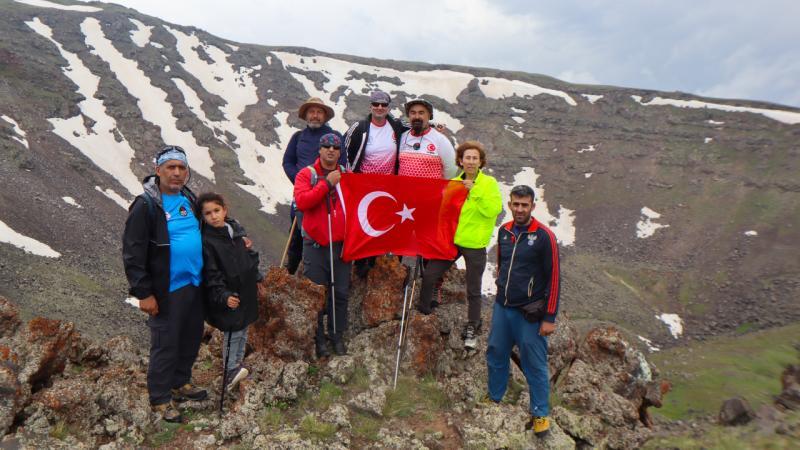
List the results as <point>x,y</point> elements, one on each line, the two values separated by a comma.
<point>164,434</point>
<point>706,374</point>
<point>328,393</point>
<point>365,426</point>
<point>271,419</point>
<point>413,397</point>
<point>732,438</point>
<point>360,379</point>
<point>61,430</point>
<point>311,428</point>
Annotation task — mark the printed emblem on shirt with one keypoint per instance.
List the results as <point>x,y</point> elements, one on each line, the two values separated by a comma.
<point>184,212</point>
<point>431,148</point>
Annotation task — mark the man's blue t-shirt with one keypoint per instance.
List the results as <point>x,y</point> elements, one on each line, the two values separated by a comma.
<point>185,242</point>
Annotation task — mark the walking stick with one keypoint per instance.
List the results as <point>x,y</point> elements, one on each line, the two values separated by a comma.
<point>289,241</point>
<point>330,251</point>
<point>407,306</point>
<point>225,372</point>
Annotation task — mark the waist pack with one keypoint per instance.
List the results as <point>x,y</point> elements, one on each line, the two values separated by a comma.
<point>533,312</point>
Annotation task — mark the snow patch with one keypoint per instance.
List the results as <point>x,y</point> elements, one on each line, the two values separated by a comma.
<point>100,142</point>
<point>152,101</point>
<point>714,122</point>
<point>167,69</point>
<point>19,134</point>
<point>650,347</point>
<point>518,111</point>
<point>517,119</point>
<point>261,164</point>
<point>71,201</point>
<point>500,88</point>
<point>751,233</point>
<point>446,84</point>
<point>46,4</point>
<point>646,227</point>
<point>707,140</point>
<point>272,102</point>
<point>673,322</point>
<point>29,245</point>
<point>788,117</point>
<point>587,149</point>
<point>157,45</point>
<point>116,198</point>
<point>519,134</point>
<point>587,175</point>
<point>233,47</point>
<point>141,35</point>
<point>592,97</point>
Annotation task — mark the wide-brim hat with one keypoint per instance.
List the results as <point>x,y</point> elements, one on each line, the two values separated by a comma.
<point>315,101</point>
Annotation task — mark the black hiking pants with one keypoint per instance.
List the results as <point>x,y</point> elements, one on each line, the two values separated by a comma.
<point>175,335</point>
<point>316,267</point>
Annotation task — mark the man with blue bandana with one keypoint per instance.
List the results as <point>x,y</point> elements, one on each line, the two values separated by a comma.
<point>162,252</point>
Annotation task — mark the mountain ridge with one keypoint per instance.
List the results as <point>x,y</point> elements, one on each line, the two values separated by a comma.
<point>601,161</point>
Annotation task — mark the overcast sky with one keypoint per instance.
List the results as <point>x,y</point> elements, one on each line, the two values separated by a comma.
<point>718,48</point>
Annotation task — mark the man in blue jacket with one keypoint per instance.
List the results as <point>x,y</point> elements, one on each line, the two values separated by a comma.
<point>525,308</point>
<point>302,151</point>
<point>162,253</point>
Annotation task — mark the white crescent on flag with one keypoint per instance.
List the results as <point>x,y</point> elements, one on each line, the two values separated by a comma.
<point>363,206</point>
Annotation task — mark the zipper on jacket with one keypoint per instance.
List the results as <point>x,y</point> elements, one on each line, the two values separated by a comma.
<point>510,265</point>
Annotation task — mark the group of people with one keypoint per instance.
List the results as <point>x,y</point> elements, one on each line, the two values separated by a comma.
<point>179,250</point>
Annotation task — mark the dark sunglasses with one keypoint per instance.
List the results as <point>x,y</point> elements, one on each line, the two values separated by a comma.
<point>169,148</point>
<point>376,104</point>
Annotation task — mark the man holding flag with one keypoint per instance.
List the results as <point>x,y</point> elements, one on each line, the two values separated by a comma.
<point>317,194</point>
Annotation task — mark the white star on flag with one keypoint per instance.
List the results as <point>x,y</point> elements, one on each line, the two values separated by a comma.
<point>406,213</point>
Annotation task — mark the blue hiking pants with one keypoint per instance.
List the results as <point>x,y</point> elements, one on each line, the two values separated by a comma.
<point>510,328</point>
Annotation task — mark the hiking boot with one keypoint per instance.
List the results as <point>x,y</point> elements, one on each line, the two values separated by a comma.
<point>189,392</point>
<point>424,309</point>
<point>321,349</point>
<point>168,412</point>
<point>362,270</point>
<point>236,375</point>
<point>487,400</point>
<point>540,426</point>
<point>339,348</point>
<point>470,336</point>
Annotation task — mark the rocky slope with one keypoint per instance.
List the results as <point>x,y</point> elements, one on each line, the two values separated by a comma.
<point>62,390</point>
<point>664,203</point>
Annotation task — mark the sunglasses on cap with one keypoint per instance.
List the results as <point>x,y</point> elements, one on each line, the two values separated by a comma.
<point>168,149</point>
<point>380,105</point>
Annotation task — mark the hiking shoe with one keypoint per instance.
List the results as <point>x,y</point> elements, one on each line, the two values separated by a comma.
<point>236,375</point>
<point>540,425</point>
<point>486,399</point>
<point>321,349</point>
<point>168,412</point>
<point>189,392</point>
<point>424,309</point>
<point>362,270</point>
<point>470,337</point>
<point>339,348</point>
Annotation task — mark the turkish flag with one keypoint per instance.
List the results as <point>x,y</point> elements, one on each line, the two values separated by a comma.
<point>407,216</point>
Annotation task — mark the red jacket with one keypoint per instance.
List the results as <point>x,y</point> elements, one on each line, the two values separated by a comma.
<point>312,201</point>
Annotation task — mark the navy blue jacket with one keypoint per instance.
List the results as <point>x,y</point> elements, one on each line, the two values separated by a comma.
<point>528,268</point>
<point>303,150</point>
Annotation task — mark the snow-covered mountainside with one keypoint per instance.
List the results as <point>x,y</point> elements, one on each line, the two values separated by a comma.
<point>677,215</point>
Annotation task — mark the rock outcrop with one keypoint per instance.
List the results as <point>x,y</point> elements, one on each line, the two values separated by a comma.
<point>52,380</point>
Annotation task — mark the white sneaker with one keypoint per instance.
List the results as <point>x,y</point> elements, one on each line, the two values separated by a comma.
<point>470,338</point>
<point>240,375</point>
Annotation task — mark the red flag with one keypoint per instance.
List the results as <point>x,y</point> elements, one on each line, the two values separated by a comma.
<point>406,216</point>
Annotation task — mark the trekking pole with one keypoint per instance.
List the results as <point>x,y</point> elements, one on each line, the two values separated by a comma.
<point>330,252</point>
<point>407,307</point>
<point>225,372</point>
<point>289,241</point>
<point>400,337</point>
<point>417,273</point>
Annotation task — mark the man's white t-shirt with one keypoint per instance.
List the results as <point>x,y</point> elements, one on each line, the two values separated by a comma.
<point>429,155</point>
